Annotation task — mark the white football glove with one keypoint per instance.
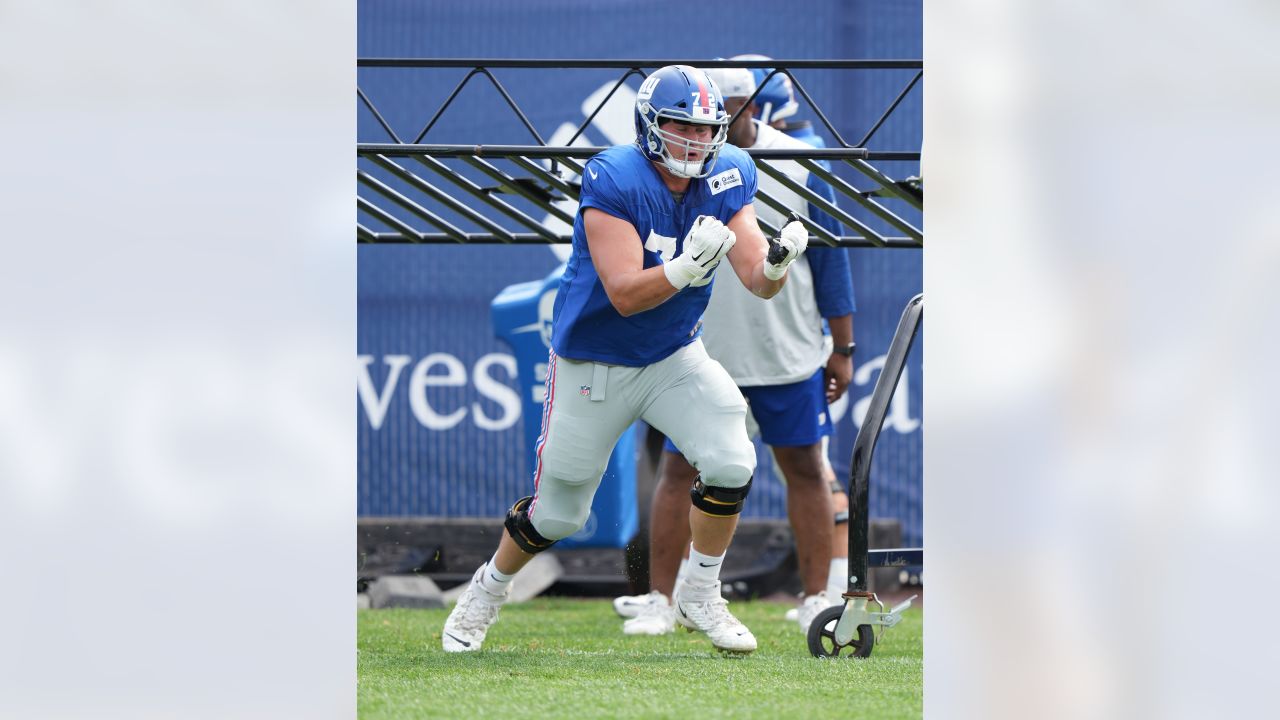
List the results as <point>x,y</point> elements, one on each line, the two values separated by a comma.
<point>707,242</point>
<point>784,250</point>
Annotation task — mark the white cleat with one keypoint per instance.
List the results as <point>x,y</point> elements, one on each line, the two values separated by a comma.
<point>629,606</point>
<point>475,613</point>
<point>812,607</point>
<point>703,609</point>
<point>793,614</point>
<point>656,617</point>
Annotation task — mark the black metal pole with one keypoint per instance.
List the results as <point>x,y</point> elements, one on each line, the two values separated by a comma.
<point>865,445</point>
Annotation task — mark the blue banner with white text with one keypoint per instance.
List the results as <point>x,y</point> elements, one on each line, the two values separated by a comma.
<point>440,411</point>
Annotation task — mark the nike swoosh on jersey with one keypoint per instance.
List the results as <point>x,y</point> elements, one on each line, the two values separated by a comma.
<point>455,637</point>
<point>593,174</point>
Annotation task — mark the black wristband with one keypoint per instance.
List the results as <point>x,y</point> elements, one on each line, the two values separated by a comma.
<point>846,351</point>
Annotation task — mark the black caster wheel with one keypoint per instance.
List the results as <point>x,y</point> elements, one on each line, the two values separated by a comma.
<point>822,636</point>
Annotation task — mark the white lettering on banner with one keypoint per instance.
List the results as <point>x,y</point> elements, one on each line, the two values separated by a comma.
<point>421,379</point>
<point>375,403</point>
<point>899,415</point>
<point>506,398</point>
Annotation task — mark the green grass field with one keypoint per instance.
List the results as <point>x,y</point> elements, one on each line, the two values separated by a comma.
<point>556,658</point>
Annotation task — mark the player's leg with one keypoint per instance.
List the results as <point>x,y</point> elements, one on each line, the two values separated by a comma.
<point>668,544</point>
<point>702,411</point>
<point>579,431</point>
<point>793,422</point>
<point>838,573</point>
<point>669,521</point>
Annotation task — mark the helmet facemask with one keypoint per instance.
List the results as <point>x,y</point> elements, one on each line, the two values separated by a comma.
<point>676,149</point>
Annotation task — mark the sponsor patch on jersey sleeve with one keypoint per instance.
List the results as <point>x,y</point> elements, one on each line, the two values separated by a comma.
<point>723,181</point>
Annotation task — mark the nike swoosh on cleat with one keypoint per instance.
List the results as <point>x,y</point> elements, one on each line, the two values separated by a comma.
<point>455,637</point>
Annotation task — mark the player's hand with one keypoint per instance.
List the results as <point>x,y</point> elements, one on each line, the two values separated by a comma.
<point>785,249</point>
<point>706,244</point>
<point>837,376</point>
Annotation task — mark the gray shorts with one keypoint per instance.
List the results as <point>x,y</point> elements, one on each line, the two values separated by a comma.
<point>589,405</point>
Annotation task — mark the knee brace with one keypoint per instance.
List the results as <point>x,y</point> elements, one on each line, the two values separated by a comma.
<point>520,528</point>
<point>718,501</point>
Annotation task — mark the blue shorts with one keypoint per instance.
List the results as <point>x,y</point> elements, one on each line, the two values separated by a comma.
<point>791,415</point>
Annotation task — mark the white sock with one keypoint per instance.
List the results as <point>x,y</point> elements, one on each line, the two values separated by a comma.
<point>494,581</point>
<point>703,569</point>
<point>838,577</point>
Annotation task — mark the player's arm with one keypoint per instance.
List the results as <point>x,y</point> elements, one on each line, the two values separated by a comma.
<point>760,273</point>
<point>839,370</point>
<point>618,256</point>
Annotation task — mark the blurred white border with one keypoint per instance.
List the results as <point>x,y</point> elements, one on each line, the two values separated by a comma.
<point>1104,239</point>
<point>177,454</point>
<point>179,320</point>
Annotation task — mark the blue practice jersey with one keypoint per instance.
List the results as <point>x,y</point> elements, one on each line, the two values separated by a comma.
<point>623,183</point>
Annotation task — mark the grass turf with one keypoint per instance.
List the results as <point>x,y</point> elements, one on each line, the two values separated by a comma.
<point>556,658</point>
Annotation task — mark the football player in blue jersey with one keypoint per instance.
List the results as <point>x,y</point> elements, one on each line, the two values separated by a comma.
<point>655,220</point>
<point>788,379</point>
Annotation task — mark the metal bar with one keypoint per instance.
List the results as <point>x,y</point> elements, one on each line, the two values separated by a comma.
<point>822,204</point>
<point>592,116</point>
<point>886,182</point>
<point>503,91</point>
<point>449,228</point>
<point>407,232</point>
<point>449,100</point>
<point>881,211</point>
<point>377,115</point>
<point>560,151</point>
<point>892,106</point>
<point>511,184</point>
<point>814,106</point>
<point>364,234</point>
<point>441,196</point>
<point>546,175</point>
<point>469,239</point>
<point>865,444</point>
<point>614,63</point>
<point>827,237</point>
<point>897,243</point>
<point>461,181</point>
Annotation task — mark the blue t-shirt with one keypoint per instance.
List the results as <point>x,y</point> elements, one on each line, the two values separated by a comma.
<point>623,183</point>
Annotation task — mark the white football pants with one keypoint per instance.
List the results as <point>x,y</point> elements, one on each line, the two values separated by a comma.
<point>687,396</point>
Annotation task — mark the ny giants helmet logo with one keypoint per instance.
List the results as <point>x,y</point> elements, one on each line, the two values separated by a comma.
<point>647,87</point>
